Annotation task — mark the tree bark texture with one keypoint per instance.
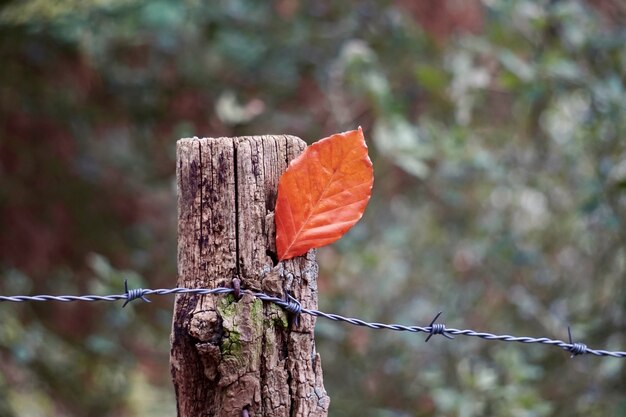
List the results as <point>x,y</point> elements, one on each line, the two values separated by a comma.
<point>229,355</point>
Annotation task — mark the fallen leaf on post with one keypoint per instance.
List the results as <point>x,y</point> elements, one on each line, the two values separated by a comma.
<point>322,194</point>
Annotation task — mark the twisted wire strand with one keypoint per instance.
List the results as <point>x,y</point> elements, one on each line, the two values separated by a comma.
<point>129,296</point>
<point>293,306</point>
<point>434,328</point>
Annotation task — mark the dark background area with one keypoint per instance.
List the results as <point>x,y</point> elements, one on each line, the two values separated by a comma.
<point>496,129</point>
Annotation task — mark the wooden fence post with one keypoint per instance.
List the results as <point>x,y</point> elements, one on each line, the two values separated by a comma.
<point>228,355</point>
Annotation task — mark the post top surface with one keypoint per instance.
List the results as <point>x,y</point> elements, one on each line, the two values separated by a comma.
<point>238,139</point>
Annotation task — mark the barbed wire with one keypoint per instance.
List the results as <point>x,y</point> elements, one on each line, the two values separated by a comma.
<point>293,306</point>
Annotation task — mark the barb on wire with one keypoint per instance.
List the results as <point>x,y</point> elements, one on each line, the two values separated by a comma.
<point>576,348</point>
<point>437,328</point>
<point>133,294</point>
<point>293,306</point>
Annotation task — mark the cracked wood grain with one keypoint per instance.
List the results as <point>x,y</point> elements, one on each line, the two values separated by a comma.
<point>228,355</point>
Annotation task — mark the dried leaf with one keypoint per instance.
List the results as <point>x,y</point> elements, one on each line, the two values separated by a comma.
<point>323,193</point>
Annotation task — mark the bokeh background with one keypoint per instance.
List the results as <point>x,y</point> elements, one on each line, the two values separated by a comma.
<point>496,129</point>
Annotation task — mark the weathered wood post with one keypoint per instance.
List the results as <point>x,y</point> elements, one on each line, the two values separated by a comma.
<point>229,355</point>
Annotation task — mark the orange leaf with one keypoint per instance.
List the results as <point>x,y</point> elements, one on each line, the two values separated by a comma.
<point>323,193</point>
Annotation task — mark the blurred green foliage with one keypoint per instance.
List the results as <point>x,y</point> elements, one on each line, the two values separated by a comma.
<point>496,131</point>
